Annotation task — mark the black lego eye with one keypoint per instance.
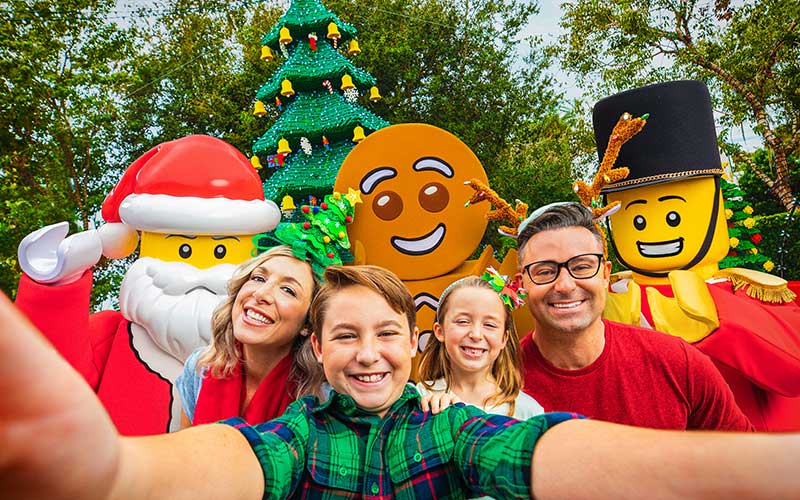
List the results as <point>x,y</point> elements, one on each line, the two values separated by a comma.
<point>639,222</point>
<point>673,219</point>
<point>220,251</point>
<point>185,251</point>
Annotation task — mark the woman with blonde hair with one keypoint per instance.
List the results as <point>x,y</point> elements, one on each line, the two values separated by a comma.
<point>474,352</point>
<point>259,359</point>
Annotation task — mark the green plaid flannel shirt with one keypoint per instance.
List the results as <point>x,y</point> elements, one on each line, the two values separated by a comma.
<point>335,450</point>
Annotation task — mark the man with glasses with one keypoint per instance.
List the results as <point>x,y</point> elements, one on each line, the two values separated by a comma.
<point>576,361</point>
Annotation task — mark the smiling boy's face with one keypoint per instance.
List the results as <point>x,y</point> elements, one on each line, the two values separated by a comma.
<point>365,348</point>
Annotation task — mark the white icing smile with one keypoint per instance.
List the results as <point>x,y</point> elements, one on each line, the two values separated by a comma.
<point>422,245</point>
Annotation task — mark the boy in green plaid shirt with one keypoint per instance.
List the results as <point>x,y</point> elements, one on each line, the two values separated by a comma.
<point>371,439</point>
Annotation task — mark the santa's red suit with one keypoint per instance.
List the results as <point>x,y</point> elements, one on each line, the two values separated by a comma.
<point>100,347</point>
<point>756,348</point>
<point>197,185</point>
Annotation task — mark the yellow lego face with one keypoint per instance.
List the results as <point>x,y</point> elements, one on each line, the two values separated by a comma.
<point>202,252</point>
<point>413,219</point>
<point>670,226</point>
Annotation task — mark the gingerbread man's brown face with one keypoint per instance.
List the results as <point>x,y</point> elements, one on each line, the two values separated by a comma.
<point>413,220</point>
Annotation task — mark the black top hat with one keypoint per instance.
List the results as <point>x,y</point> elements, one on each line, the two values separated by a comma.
<point>679,140</point>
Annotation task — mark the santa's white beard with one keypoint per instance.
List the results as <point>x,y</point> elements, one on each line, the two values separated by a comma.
<point>174,302</point>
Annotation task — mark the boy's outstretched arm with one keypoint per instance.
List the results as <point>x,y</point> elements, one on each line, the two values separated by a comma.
<point>592,459</point>
<point>56,440</point>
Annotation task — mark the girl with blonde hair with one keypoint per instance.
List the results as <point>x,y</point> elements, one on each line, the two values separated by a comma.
<point>474,352</point>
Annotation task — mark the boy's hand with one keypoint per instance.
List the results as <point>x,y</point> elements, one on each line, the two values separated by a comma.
<point>51,420</point>
<point>435,403</point>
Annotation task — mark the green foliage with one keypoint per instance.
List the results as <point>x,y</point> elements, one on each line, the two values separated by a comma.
<point>782,241</point>
<point>764,202</point>
<point>64,68</point>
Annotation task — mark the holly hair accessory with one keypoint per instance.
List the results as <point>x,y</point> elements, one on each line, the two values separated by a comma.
<point>322,238</point>
<point>510,289</point>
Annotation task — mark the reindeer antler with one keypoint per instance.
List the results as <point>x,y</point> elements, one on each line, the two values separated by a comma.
<point>625,128</point>
<point>502,210</point>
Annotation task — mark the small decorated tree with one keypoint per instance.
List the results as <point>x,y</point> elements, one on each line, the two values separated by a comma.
<point>319,92</point>
<point>743,232</point>
<point>322,238</point>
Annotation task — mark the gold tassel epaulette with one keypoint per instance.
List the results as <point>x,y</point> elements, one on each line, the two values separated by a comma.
<point>762,286</point>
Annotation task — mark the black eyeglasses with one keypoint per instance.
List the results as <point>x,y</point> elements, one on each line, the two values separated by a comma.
<point>580,267</point>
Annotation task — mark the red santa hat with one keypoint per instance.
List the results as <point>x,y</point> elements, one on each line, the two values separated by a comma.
<point>197,185</point>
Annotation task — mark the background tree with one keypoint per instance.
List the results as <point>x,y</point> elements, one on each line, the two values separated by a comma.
<point>746,53</point>
<point>65,69</point>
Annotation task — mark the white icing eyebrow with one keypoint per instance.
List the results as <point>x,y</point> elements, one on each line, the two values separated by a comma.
<point>375,177</point>
<point>433,163</point>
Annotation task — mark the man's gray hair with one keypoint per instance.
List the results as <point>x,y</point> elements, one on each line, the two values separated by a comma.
<point>557,216</point>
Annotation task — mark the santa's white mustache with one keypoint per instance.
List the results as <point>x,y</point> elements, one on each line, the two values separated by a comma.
<point>178,278</point>
<point>174,302</point>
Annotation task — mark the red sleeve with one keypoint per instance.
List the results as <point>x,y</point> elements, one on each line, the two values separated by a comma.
<point>61,313</point>
<point>711,401</point>
<point>761,341</point>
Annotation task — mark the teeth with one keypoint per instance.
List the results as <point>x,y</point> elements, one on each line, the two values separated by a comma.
<point>376,377</point>
<point>258,317</point>
<point>472,350</point>
<point>568,305</point>
<point>661,249</point>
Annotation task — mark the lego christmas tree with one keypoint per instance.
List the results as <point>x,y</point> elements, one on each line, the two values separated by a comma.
<point>743,232</point>
<point>318,90</point>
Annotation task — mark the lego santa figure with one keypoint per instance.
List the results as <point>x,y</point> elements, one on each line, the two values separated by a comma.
<point>196,203</point>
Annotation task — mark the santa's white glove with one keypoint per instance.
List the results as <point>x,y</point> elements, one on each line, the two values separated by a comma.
<point>48,256</point>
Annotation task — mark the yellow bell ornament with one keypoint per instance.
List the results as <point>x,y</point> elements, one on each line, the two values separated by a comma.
<point>333,31</point>
<point>254,161</point>
<point>287,203</point>
<point>283,147</point>
<point>285,37</point>
<point>374,95</point>
<point>266,53</point>
<point>353,49</point>
<point>358,134</point>
<point>347,82</point>
<point>259,109</point>
<point>286,88</point>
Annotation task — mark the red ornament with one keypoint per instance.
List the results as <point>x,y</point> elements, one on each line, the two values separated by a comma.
<point>330,255</point>
<point>324,205</point>
<point>733,253</point>
<point>306,209</point>
<point>348,219</point>
<point>306,225</point>
<point>756,238</point>
<point>312,41</point>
